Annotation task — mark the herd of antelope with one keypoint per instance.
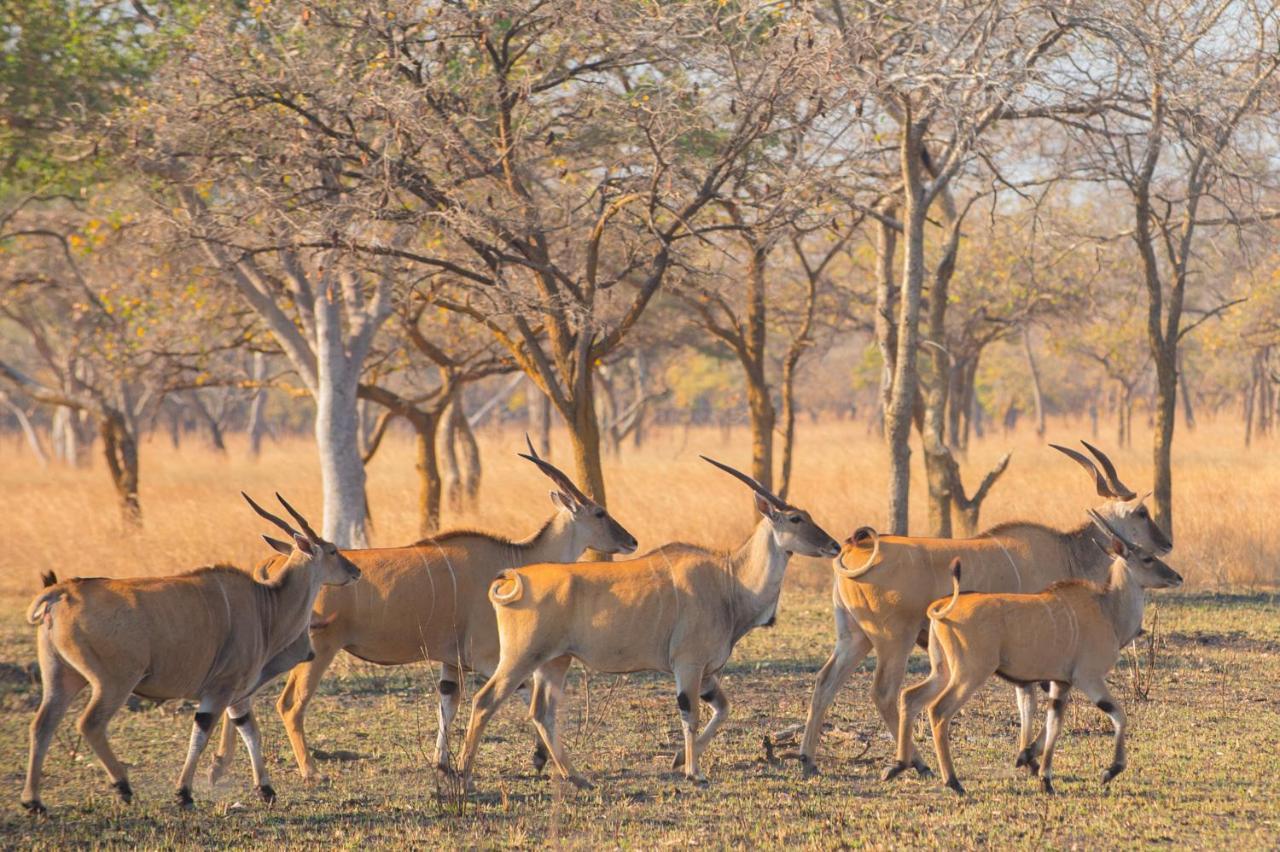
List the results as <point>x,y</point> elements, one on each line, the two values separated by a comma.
<point>1034,605</point>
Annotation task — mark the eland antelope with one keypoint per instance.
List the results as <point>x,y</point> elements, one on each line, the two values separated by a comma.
<point>208,635</point>
<point>679,609</point>
<point>1069,635</point>
<point>884,584</point>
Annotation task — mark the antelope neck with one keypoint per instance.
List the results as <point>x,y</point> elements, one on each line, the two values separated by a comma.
<point>555,542</point>
<point>757,568</point>
<point>1122,602</point>
<point>291,597</point>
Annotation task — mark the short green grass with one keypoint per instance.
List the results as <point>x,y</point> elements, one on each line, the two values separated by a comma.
<point>1201,760</point>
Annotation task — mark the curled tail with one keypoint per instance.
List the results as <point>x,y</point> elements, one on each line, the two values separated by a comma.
<point>43,603</point>
<point>859,537</point>
<point>515,593</point>
<point>935,612</point>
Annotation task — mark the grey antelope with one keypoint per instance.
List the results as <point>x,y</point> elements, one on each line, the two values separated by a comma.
<point>679,609</point>
<point>427,602</point>
<point>1069,635</point>
<point>207,635</point>
<point>884,584</point>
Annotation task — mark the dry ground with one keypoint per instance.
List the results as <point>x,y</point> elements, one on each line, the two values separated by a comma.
<point>1201,750</point>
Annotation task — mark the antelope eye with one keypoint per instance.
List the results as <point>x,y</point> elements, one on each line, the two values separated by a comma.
<point>1142,512</point>
<point>599,513</point>
<point>795,519</point>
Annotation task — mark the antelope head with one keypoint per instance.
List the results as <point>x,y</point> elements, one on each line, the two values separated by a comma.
<point>1147,571</point>
<point>597,528</point>
<point>794,531</point>
<point>1124,509</point>
<point>333,568</point>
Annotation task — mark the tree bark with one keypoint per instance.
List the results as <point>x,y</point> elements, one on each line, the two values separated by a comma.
<point>898,415</point>
<point>1162,449</point>
<point>28,432</point>
<point>471,465</point>
<point>427,465</point>
<point>257,427</point>
<point>886,327</point>
<point>540,420</point>
<point>120,448</point>
<point>1037,394</point>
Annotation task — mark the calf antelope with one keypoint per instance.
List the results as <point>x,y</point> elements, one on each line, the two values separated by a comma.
<point>427,602</point>
<point>884,584</point>
<point>1069,635</point>
<point>207,635</point>
<point>679,609</point>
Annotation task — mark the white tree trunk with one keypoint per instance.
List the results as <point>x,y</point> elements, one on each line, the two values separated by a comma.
<point>338,427</point>
<point>341,467</point>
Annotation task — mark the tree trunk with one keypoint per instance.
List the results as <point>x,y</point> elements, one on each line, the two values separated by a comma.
<point>640,368</point>
<point>898,415</point>
<point>540,420</point>
<point>257,417</point>
<point>1162,450</point>
<point>584,436</point>
<point>120,448</point>
<point>465,440</point>
<point>341,462</point>
<point>425,427</point>
<point>886,325</point>
<point>1188,412</point>
<point>28,432</point>
<point>1250,393</point>
<point>216,441</point>
<point>763,418</point>
<point>1037,394</point>
<point>449,455</point>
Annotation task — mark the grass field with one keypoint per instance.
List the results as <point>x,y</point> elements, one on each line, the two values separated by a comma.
<point>1202,744</point>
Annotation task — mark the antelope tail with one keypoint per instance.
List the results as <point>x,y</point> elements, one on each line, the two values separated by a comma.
<point>860,535</point>
<point>41,606</point>
<point>955,593</point>
<point>513,594</point>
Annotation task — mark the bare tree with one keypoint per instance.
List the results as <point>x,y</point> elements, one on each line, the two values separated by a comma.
<point>1191,94</point>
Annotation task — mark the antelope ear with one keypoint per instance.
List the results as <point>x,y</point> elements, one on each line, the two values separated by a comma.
<point>765,508</point>
<point>304,544</point>
<point>1117,547</point>
<point>277,545</point>
<point>563,501</point>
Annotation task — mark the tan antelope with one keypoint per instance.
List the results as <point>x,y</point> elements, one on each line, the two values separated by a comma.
<point>679,609</point>
<point>207,635</point>
<point>427,602</point>
<point>884,584</point>
<point>1069,635</point>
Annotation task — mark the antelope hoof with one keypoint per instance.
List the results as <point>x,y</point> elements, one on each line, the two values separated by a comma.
<point>216,771</point>
<point>922,769</point>
<point>1027,758</point>
<point>267,793</point>
<point>892,772</point>
<point>34,807</point>
<point>954,784</point>
<point>581,783</point>
<point>184,797</point>
<point>1046,784</point>
<point>539,758</point>
<point>697,779</point>
<point>124,791</point>
<point>1112,771</point>
<point>808,768</point>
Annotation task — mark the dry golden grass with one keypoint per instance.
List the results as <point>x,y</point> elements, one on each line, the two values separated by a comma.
<point>66,520</point>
